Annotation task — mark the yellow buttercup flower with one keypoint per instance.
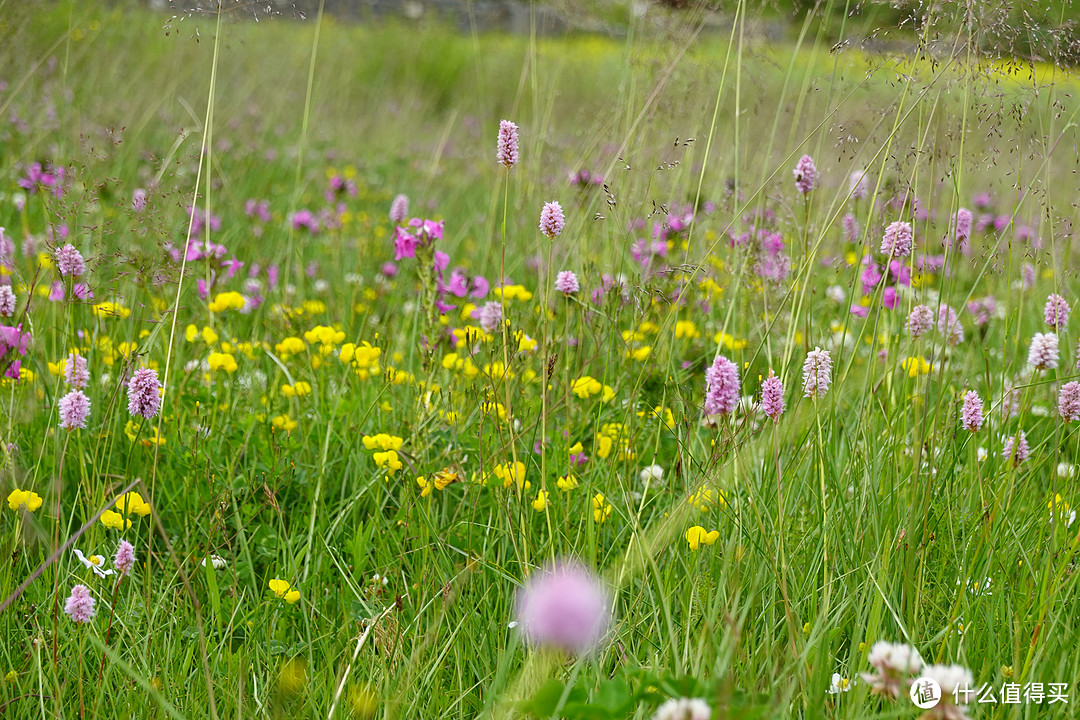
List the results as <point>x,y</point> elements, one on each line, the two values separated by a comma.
<point>697,535</point>
<point>29,501</point>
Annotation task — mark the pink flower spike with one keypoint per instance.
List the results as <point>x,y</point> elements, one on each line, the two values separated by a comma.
<point>508,144</point>
<point>551,220</point>
<point>80,605</point>
<point>125,558</point>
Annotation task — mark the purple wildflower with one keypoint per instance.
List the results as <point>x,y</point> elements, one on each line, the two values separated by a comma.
<point>772,397</point>
<point>817,373</point>
<point>138,199</point>
<point>69,261</point>
<point>860,185</point>
<point>80,605</point>
<point>76,373</point>
<point>144,393</point>
<point>805,174</point>
<point>399,209</point>
<point>74,408</point>
<point>551,219</point>
<point>721,387</point>
<point>963,226</point>
<point>851,228</point>
<point>1016,448</point>
<point>972,413</point>
<point>1043,353</point>
<point>564,606</point>
<point>950,326</point>
<point>508,144</point>
<point>490,316</point>
<point>7,301</point>
<point>567,283</point>
<point>125,558</point>
<point>1027,274</point>
<point>1056,312</point>
<point>1069,401</point>
<point>897,241</point>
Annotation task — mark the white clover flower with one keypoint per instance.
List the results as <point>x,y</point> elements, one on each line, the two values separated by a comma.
<point>653,473</point>
<point>683,709</point>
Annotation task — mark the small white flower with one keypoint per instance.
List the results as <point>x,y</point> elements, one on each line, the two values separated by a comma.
<point>683,709</point>
<point>512,624</point>
<point>1066,470</point>
<point>840,684</point>
<point>94,562</point>
<point>653,473</point>
<point>216,561</point>
<point>981,453</point>
<point>321,285</point>
<point>836,293</point>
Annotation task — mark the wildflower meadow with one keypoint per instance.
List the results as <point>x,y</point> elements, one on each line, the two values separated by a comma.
<point>698,360</point>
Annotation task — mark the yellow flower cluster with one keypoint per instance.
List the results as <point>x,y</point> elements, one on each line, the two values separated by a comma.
<point>464,365</point>
<point>191,333</point>
<point>327,338</point>
<point>31,501</point>
<point>221,361</point>
<point>385,447</point>
<point>439,481</point>
<point>697,536</point>
<point>706,498</point>
<point>585,387</point>
<point>231,300</point>
<point>289,346</point>
<point>129,504</point>
<point>512,292</point>
<point>364,358</point>
<point>916,366</point>
<point>110,309</point>
<point>511,475</point>
<point>609,439</point>
<point>297,390</point>
<point>601,508</point>
<point>282,422</point>
<point>282,591</point>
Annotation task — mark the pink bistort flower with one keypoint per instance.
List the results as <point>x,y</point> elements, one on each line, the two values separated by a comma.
<point>772,397</point>
<point>74,409</point>
<point>144,393</point>
<point>971,415</point>
<point>564,606</point>
<point>817,373</point>
<point>76,373</point>
<point>80,605</point>
<point>1069,401</point>
<point>1043,353</point>
<point>721,387</point>
<point>920,321</point>
<point>7,301</point>
<point>125,558</point>
<point>399,209</point>
<point>508,144</point>
<point>897,241</point>
<point>805,173</point>
<point>567,283</point>
<point>1056,312</point>
<point>69,261</point>
<point>1016,448</point>
<point>552,220</point>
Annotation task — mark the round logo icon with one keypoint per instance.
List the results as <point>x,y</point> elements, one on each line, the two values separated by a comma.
<point>925,693</point>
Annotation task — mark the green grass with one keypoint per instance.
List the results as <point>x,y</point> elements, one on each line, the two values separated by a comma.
<point>856,518</point>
